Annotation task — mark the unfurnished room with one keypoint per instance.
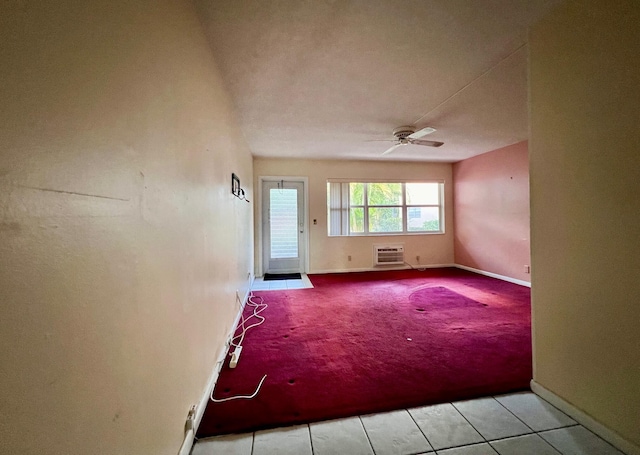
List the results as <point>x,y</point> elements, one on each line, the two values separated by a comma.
<point>320,227</point>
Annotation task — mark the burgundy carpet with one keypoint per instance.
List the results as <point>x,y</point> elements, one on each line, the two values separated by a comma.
<point>360,343</point>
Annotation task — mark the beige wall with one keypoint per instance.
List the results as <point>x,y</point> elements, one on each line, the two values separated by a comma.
<point>331,253</point>
<point>585,206</point>
<point>120,246</point>
<point>491,205</point>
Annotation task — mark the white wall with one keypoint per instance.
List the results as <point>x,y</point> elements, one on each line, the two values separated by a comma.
<point>331,253</point>
<point>121,247</point>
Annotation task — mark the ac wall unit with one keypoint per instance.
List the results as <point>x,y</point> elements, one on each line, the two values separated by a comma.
<point>388,255</point>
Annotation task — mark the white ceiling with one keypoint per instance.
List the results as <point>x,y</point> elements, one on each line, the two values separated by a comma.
<point>320,78</point>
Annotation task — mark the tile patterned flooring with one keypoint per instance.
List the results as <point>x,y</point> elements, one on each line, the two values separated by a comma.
<point>276,285</point>
<point>514,424</point>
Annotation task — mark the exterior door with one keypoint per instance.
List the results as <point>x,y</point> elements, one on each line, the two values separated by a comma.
<point>283,227</point>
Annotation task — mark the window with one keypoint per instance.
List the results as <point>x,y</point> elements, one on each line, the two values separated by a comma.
<point>373,208</point>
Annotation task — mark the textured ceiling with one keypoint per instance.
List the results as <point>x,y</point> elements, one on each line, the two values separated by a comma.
<point>324,79</point>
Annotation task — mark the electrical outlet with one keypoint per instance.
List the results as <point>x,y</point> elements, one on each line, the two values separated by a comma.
<point>527,269</point>
<point>191,417</point>
<point>418,259</point>
<point>348,258</point>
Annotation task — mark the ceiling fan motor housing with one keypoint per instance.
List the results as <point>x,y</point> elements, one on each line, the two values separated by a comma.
<point>402,132</point>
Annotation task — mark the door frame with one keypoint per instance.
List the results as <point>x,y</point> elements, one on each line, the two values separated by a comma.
<point>305,216</point>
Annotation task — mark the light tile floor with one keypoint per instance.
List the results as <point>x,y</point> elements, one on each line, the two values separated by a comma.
<point>514,424</point>
<point>277,285</point>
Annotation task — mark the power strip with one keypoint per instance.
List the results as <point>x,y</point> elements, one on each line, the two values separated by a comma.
<point>235,357</point>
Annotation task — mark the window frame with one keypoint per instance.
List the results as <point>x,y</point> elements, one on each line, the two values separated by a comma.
<point>340,198</point>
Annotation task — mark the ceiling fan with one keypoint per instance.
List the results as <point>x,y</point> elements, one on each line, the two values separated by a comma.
<point>406,135</point>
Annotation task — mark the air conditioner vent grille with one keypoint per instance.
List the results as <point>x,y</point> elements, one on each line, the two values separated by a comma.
<point>388,255</point>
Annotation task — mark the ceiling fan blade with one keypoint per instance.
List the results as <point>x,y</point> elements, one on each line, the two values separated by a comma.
<point>427,143</point>
<point>392,148</point>
<point>420,133</point>
<point>380,140</point>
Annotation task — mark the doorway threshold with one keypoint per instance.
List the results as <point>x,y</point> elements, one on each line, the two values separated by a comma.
<point>259,284</point>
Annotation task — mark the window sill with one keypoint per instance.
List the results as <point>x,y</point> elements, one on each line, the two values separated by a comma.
<point>391,234</point>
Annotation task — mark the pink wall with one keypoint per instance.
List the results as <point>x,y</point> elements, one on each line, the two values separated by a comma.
<point>491,206</point>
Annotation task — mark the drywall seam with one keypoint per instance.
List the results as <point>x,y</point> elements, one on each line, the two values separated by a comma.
<point>586,420</point>
<point>494,275</point>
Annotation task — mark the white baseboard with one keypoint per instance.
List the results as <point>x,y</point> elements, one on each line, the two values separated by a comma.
<point>187,444</point>
<point>425,266</point>
<point>586,420</point>
<point>494,275</point>
<point>381,268</point>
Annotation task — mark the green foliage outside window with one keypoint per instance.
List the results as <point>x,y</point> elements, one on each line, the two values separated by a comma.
<point>384,193</point>
<point>385,219</point>
<point>431,225</point>
<point>384,206</point>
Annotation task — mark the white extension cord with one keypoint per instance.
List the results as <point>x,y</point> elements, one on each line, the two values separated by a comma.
<point>239,397</point>
<point>258,307</point>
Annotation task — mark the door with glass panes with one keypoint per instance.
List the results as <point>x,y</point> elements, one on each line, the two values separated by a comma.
<point>283,227</point>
